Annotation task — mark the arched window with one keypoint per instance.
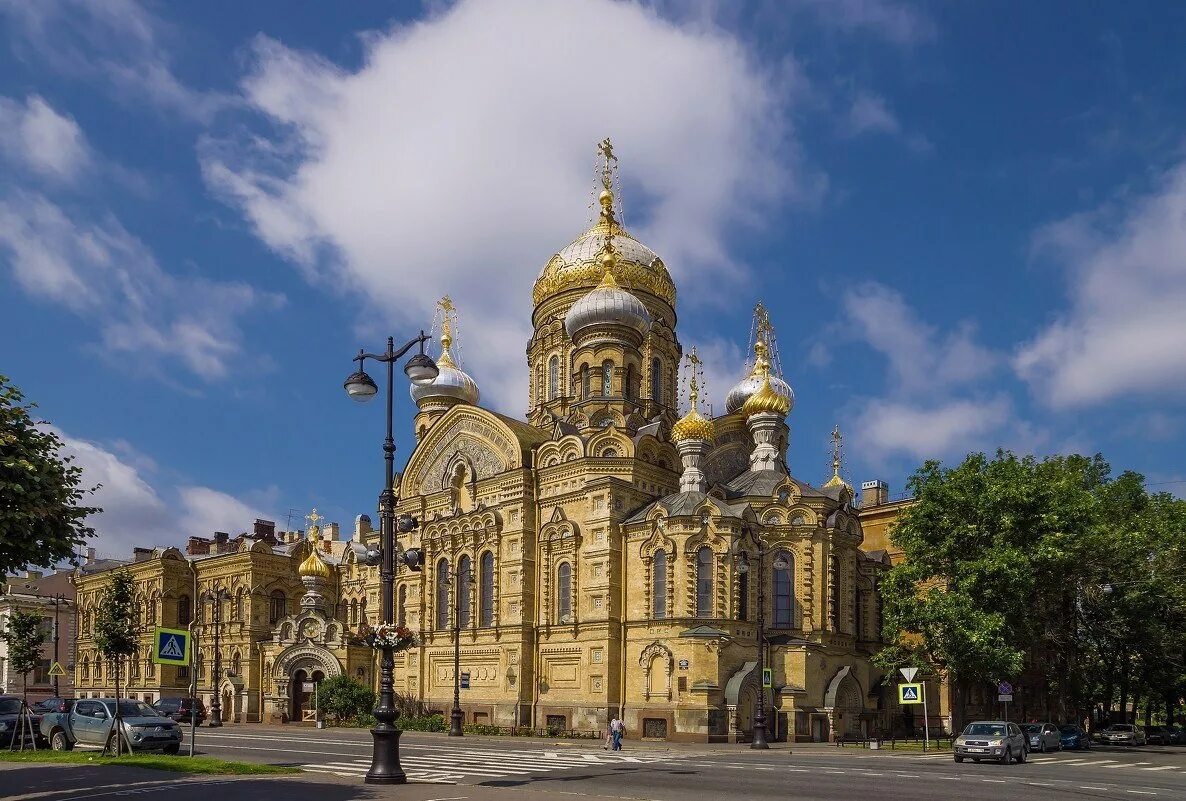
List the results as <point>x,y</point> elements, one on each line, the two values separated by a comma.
<point>362,611</point>
<point>743,588</point>
<point>553,378</point>
<point>278,607</point>
<point>585,387</point>
<point>607,378</point>
<point>341,611</point>
<point>402,612</point>
<point>86,668</point>
<point>656,382</point>
<point>486,604</point>
<point>834,594</point>
<point>184,612</point>
<point>236,663</point>
<point>784,595</point>
<point>564,592</point>
<point>628,383</point>
<point>704,582</point>
<point>443,594</point>
<point>465,570</point>
<point>354,612</point>
<point>659,585</point>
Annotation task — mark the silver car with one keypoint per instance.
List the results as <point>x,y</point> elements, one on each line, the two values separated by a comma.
<point>1042,737</point>
<point>991,739</point>
<point>1123,734</point>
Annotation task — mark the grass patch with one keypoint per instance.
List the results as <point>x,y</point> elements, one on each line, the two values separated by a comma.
<point>179,764</point>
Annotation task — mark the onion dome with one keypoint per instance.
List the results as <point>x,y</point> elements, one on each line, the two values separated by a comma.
<point>452,382</point>
<point>608,304</point>
<point>752,383</point>
<point>766,399</point>
<point>693,425</point>
<point>578,265</point>
<point>314,566</point>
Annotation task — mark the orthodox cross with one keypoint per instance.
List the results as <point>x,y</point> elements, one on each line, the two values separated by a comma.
<point>313,518</point>
<point>837,449</point>
<point>606,149</point>
<point>693,384</point>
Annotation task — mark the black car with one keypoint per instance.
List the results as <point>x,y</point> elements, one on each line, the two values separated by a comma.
<point>10,725</point>
<point>1158,735</point>
<point>53,705</point>
<point>178,709</point>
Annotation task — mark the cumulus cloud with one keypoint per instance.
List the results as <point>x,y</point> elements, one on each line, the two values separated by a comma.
<point>98,270</point>
<point>458,158</point>
<point>36,137</point>
<point>925,431</point>
<point>117,44</point>
<point>138,513</point>
<point>1125,332</point>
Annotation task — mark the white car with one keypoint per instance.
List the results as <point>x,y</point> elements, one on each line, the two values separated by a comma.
<point>1123,734</point>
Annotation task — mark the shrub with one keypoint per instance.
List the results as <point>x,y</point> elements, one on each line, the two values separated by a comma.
<point>341,698</point>
<point>422,723</point>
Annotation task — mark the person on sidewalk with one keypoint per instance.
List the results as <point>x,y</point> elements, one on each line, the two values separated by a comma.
<point>616,729</point>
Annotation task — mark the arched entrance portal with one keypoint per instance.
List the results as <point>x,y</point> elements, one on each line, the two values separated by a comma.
<point>302,693</point>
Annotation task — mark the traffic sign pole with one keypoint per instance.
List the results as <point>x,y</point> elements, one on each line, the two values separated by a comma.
<point>926,720</point>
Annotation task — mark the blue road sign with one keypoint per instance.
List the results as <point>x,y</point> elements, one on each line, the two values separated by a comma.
<point>170,646</point>
<point>1005,688</point>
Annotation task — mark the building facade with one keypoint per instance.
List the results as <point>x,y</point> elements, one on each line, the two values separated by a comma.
<point>51,596</point>
<point>619,551</point>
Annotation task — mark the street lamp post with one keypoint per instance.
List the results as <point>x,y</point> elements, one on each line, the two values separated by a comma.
<point>217,599</point>
<point>761,734</point>
<point>57,599</point>
<point>420,369</point>
<point>464,581</point>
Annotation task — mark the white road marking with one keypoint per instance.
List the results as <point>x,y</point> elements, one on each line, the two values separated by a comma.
<point>1163,767</point>
<point>1128,764</point>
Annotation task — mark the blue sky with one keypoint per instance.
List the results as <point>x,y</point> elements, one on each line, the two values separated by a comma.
<point>968,222</point>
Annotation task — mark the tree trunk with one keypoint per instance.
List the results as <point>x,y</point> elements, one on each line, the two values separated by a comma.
<point>1169,708</point>
<point>1125,671</point>
<point>118,721</point>
<point>1109,690</point>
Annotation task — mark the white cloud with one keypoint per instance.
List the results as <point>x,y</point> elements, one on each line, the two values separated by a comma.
<point>36,137</point>
<point>117,44</point>
<point>926,431</point>
<point>1125,332</point>
<point>458,158</point>
<point>895,22</point>
<point>103,273</point>
<point>724,366</point>
<point>869,113</point>
<point>137,513</point>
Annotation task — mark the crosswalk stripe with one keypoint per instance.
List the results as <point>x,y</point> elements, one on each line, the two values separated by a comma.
<point>1162,767</point>
<point>1128,764</point>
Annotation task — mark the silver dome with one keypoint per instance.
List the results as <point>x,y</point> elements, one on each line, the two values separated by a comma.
<point>751,384</point>
<point>608,304</point>
<point>451,383</point>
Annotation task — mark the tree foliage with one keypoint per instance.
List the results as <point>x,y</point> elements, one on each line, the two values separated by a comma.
<point>341,698</point>
<point>24,637</point>
<point>117,634</point>
<point>1016,566</point>
<point>42,520</point>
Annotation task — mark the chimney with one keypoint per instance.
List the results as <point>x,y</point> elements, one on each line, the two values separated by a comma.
<point>874,493</point>
<point>265,530</point>
<point>362,526</point>
<point>90,556</point>
<point>198,546</point>
<point>140,554</point>
<point>32,575</point>
<point>330,532</point>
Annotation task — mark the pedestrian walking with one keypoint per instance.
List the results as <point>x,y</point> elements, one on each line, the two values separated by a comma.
<point>616,729</point>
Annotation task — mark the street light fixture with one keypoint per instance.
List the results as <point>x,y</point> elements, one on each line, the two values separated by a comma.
<point>420,369</point>
<point>464,582</point>
<point>216,599</point>
<point>760,737</point>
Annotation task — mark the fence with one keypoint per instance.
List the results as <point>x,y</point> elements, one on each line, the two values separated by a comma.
<point>938,742</point>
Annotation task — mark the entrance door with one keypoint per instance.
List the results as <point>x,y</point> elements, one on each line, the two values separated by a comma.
<point>299,696</point>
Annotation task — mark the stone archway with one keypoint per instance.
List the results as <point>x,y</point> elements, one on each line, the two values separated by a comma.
<point>844,703</point>
<point>295,666</point>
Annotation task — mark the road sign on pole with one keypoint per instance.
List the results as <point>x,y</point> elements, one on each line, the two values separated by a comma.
<point>908,673</point>
<point>465,681</point>
<point>767,678</point>
<point>909,693</point>
<point>56,669</point>
<point>170,646</point>
<point>1005,688</point>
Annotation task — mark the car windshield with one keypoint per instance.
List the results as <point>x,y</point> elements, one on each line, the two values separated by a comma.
<point>10,706</point>
<point>1032,728</point>
<point>985,729</point>
<point>1069,730</point>
<point>136,709</point>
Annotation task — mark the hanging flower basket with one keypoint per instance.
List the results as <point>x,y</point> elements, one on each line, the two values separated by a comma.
<point>400,638</point>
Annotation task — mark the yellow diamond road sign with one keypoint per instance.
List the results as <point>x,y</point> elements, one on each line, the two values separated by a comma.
<point>909,693</point>
<point>56,669</point>
<point>170,646</point>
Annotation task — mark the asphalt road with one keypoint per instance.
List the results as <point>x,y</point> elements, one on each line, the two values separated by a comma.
<point>504,769</point>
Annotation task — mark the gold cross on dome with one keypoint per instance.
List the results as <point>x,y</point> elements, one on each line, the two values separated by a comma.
<point>606,149</point>
<point>446,304</point>
<point>313,518</point>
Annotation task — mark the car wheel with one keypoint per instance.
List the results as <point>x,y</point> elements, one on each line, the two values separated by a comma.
<point>959,759</point>
<point>1022,757</point>
<point>1042,747</point>
<point>1007,757</point>
<point>60,742</point>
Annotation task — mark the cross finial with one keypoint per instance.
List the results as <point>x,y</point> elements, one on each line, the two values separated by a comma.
<point>606,148</point>
<point>693,383</point>
<point>313,518</point>
<point>837,447</point>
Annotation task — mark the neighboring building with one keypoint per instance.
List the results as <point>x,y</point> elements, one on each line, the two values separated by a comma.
<point>52,596</point>
<point>612,539</point>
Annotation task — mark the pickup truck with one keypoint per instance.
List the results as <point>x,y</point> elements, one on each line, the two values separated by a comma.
<point>89,721</point>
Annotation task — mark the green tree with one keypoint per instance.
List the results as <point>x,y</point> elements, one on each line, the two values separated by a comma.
<point>116,634</point>
<point>24,637</point>
<point>42,520</point>
<point>341,698</point>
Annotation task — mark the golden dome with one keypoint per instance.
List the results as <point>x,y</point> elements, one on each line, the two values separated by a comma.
<point>766,399</point>
<point>314,565</point>
<point>583,263</point>
<point>693,425</point>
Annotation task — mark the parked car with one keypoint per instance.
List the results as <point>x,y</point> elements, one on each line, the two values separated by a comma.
<point>10,724</point>
<point>1177,735</point>
<point>1042,737</point>
<point>53,705</point>
<point>1071,736</point>
<point>178,709</point>
<point>90,721</point>
<point>1157,735</point>
<point>1122,734</point>
<point>991,739</point>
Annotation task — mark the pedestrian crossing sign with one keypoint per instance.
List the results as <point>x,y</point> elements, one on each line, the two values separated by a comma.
<point>909,693</point>
<point>56,669</point>
<point>170,647</point>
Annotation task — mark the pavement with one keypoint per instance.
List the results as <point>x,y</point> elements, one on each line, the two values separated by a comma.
<point>509,769</point>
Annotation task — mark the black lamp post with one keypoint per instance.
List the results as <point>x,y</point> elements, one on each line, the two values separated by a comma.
<point>216,599</point>
<point>420,369</point>
<point>464,581</point>
<point>57,599</point>
<point>760,736</point>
